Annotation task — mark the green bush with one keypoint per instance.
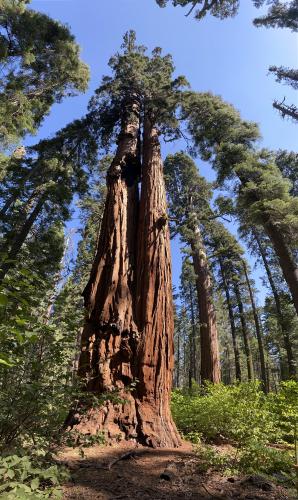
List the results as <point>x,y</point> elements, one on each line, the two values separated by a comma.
<point>247,418</point>
<point>23,478</point>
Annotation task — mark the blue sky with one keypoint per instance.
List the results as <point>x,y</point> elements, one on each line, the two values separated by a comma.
<point>229,58</point>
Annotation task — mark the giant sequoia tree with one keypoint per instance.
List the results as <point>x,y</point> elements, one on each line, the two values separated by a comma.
<point>128,334</point>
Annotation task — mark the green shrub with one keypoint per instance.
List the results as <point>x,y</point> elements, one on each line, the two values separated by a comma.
<point>23,478</point>
<point>247,418</point>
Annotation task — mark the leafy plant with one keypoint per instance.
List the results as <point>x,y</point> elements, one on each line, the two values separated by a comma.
<point>22,477</point>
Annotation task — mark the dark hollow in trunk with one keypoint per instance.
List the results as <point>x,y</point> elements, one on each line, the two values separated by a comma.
<point>128,334</point>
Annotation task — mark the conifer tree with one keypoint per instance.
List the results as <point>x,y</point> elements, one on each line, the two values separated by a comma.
<point>189,196</point>
<point>128,333</point>
<point>221,137</point>
<point>40,65</point>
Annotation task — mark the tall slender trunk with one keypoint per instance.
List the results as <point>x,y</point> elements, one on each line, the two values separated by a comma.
<point>192,341</point>
<point>232,322</point>
<point>20,237</point>
<point>154,302</point>
<point>258,328</point>
<point>281,319</point>
<point>210,365</point>
<point>178,360</point>
<point>286,260</point>
<point>250,371</point>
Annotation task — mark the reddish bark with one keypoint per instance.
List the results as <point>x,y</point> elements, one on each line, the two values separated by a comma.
<point>245,333</point>
<point>110,335</point>
<point>128,334</point>
<point>154,302</point>
<point>232,321</point>
<point>210,365</point>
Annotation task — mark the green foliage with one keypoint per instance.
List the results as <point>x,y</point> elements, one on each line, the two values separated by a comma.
<point>40,65</point>
<point>245,417</point>
<point>22,478</point>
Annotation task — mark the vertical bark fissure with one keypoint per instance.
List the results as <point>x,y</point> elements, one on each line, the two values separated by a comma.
<point>129,329</point>
<point>154,302</point>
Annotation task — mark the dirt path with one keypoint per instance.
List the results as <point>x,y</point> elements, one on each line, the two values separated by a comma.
<point>153,474</point>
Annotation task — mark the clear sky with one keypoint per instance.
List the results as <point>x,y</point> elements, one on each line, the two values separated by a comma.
<point>229,58</point>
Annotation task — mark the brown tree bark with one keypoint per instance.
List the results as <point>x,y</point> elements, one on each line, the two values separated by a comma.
<point>192,342</point>
<point>281,319</point>
<point>154,302</point>
<point>19,238</point>
<point>247,349</point>
<point>286,260</point>
<point>110,335</point>
<point>232,322</point>
<point>258,329</point>
<point>210,365</point>
<point>128,334</point>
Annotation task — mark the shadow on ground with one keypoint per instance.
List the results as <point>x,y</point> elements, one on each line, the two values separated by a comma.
<point>145,474</point>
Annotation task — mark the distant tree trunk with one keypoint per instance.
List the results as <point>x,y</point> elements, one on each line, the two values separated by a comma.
<point>286,260</point>
<point>210,365</point>
<point>128,334</point>
<point>154,302</point>
<point>17,192</point>
<point>258,329</point>
<point>232,322</point>
<point>192,341</point>
<point>20,237</point>
<point>245,334</point>
<point>178,360</point>
<point>281,320</point>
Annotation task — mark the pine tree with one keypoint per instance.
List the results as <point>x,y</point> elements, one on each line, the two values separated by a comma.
<point>40,65</point>
<point>227,141</point>
<point>189,197</point>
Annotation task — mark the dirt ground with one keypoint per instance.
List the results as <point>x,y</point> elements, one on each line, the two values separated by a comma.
<point>154,474</point>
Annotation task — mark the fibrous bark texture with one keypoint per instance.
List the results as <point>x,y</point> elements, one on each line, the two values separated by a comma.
<point>127,342</point>
<point>210,365</point>
<point>154,301</point>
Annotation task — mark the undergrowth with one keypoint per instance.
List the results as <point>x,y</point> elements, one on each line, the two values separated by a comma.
<point>258,428</point>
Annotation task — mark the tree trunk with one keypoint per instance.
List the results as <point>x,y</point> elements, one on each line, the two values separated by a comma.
<point>232,322</point>
<point>20,237</point>
<point>286,260</point>
<point>281,320</point>
<point>129,329</point>
<point>154,303</point>
<point>258,329</point>
<point>110,335</point>
<point>192,341</point>
<point>210,365</point>
<point>247,349</point>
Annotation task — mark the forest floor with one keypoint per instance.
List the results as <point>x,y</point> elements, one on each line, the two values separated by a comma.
<point>128,472</point>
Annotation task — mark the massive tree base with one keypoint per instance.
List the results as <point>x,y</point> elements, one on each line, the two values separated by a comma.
<point>128,419</point>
